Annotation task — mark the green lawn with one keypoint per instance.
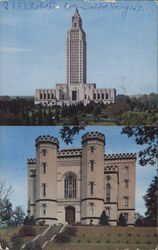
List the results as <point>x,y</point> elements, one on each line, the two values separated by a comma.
<point>109,238</point>
<point>7,232</point>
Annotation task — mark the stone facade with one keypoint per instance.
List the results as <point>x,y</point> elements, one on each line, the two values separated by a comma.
<point>76,185</point>
<point>76,89</point>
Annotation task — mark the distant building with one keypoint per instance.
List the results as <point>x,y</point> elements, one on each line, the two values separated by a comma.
<point>76,89</point>
<point>76,185</point>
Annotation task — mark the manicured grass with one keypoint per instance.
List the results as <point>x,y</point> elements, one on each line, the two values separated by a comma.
<point>109,238</point>
<point>7,232</point>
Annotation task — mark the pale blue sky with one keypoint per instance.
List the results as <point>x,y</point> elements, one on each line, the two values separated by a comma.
<point>18,144</point>
<point>121,42</point>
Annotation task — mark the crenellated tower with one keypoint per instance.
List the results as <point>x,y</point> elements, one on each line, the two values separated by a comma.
<point>92,171</point>
<point>46,179</point>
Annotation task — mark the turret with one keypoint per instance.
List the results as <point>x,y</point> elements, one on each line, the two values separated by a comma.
<point>46,179</point>
<point>92,189</point>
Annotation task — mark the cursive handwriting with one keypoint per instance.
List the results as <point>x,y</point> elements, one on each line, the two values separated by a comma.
<point>50,4</point>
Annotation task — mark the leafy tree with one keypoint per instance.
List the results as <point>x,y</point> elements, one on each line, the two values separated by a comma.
<point>29,220</point>
<point>96,112</point>
<point>7,212</point>
<point>147,137</point>
<point>67,133</point>
<point>75,120</point>
<point>151,199</point>
<point>122,221</point>
<point>104,220</point>
<point>18,216</point>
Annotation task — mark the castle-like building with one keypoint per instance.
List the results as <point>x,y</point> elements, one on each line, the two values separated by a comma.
<point>76,89</point>
<point>76,185</point>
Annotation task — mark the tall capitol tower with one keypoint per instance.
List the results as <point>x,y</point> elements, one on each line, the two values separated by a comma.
<point>76,51</point>
<point>76,89</point>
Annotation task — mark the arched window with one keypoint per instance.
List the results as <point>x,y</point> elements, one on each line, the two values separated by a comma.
<point>70,187</point>
<point>108,193</point>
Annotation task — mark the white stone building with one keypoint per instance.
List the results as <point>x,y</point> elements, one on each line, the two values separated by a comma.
<point>76,185</point>
<point>76,89</point>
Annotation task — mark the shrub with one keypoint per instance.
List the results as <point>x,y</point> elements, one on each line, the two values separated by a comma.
<point>104,220</point>
<point>62,237</point>
<point>107,241</point>
<point>71,231</point>
<point>27,230</point>
<point>41,223</point>
<point>33,246</point>
<point>83,235</point>
<point>78,241</point>
<point>138,235</point>
<point>122,220</point>
<point>78,223</point>
<point>148,242</point>
<point>137,242</point>
<point>118,241</point>
<point>127,242</point>
<point>119,235</point>
<point>129,234</point>
<point>29,220</point>
<point>89,241</point>
<point>16,242</point>
<point>98,241</point>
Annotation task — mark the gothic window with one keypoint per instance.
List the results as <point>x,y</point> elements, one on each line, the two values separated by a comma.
<point>44,152</point>
<point>102,95</point>
<point>98,96</point>
<point>107,96</point>
<point>92,165</point>
<point>94,96</point>
<point>48,96</point>
<point>43,209</point>
<point>126,201</point>
<point>126,183</point>
<point>44,189</point>
<point>70,187</point>
<point>126,169</point>
<point>91,188</point>
<point>92,149</point>
<point>91,208</point>
<point>108,193</point>
<point>44,167</point>
<point>40,96</point>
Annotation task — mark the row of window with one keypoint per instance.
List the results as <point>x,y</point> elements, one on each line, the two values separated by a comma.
<point>100,96</point>
<point>47,96</point>
<point>91,209</point>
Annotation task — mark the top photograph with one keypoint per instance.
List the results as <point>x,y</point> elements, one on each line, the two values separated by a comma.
<point>78,62</point>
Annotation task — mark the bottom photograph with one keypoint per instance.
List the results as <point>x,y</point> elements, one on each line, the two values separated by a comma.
<point>78,188</point>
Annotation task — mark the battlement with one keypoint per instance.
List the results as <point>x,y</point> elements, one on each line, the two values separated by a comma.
<point>120,156</point>
<point>111,168</point>
<point>93,135</point>
<point>70,152</point>
<point>31,161</point>
<point>47,139</point>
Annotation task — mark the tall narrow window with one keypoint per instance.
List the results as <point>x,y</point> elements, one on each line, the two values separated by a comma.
<point>44,167</point>
<point>44,189</point>
<point>92,165</point>
<point>126,201</point>
<point>126,183</point>
<point>107,96</point>
<point>43,209</point>
<point>126,169</point>
<point>108,193</point>
<point>70,187</point>
<point>91,188</point>
<point>91,208</point>
<point>44,152</point>
<point>91,149</point>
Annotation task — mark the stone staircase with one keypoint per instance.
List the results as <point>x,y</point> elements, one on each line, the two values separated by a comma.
<point>47,236</point>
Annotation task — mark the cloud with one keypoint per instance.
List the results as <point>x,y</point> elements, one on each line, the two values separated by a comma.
<point>110,1</point>
<point>12,50</point>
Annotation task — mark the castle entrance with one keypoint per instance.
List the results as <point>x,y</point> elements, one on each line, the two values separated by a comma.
<point>74,95</point>
<point>70,214</point>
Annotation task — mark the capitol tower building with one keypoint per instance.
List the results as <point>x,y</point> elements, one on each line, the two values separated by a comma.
<point>76,89</point>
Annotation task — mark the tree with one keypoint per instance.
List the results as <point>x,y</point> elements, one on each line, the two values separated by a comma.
<point>5,204</point>
<point>18,216</point>
<point>147,137</point>
<point>104,220</point>
<point>75,120</point>
<point>67,133</point>
<point>96,112</point>
<point>151,199</point>
<point>122,221</point>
